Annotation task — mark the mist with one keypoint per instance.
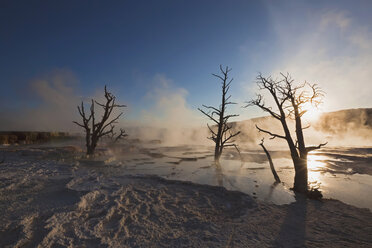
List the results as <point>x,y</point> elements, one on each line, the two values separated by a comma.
<point>330,48</point>
<point>351,128</point>
<point>168,118</point>
<point>56,100</point>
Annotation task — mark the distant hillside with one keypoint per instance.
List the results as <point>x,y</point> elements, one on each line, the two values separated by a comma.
<point>345,120</point>
<point>349,123</point>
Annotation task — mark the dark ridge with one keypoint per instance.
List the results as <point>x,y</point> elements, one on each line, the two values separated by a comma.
<point>26,137</point>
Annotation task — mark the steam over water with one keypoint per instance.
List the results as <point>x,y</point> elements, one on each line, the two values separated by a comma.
<point>340,173</point>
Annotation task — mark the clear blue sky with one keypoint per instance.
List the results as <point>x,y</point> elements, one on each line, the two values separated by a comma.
<point>125,44</point>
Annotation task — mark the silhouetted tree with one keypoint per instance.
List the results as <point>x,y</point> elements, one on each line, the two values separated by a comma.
<point>289,101</point>
<point>94,130</point>
<point>223,136</point>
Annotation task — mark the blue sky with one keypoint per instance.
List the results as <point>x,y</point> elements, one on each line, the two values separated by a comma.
<point>144,49</point>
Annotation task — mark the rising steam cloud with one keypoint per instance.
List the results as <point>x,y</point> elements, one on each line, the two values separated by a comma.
<point>55,94</point>
<point>169,119</point>
<point>334,51</point>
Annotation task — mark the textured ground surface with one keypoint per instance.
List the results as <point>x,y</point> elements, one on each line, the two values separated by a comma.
<point>49,203</point>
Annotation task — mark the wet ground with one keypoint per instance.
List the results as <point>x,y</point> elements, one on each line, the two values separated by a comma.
<point>340,173</point>
<point>46,192</point>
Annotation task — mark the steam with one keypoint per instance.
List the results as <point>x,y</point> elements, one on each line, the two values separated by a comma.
<point>57,99</point>
<point>347,127</point>
<point>168,118</point>
<point>169,107</point>
<point>329,48</point>
<point>351,127</point>
<point>334,51</point>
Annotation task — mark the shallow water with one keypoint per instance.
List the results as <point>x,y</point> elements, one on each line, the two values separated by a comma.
<point>340,173</point>
<point>195,164</point>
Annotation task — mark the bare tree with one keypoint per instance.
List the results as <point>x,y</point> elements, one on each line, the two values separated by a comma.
<point>94,130</point>
<point>289,101</point>
<point>223,136</point>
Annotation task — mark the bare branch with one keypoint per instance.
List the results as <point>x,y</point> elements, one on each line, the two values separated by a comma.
<point>259,103</point>
<point>273,135</point>
<point>312,148</point>
<point>210,116</point>
<point>211,130</point>
<point>215,110</point>
<point>77,123</point>
<point>111,122</point>
<point>308,126</point>
<point>121,135</point>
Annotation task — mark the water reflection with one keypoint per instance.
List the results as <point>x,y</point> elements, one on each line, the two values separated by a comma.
<point>272,188</point>
<point>315,164</point>
<point>254,176</point>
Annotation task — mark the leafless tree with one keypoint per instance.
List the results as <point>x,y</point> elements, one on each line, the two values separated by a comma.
<point>289,100</point>
<point>224,135</point>
<point>95,130</point>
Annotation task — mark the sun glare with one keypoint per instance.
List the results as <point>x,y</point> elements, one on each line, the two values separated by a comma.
<point>312,112</point>
<point>315,163</point>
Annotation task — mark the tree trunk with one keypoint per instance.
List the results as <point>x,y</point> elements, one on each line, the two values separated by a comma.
<point>301,178</point>
<point>217,153</point>
<point>90,150</point>
<point>91,147</point>
<point>219,174</point>
<point>276,177</point>
<point>88,142</point>
<point>218,148</point>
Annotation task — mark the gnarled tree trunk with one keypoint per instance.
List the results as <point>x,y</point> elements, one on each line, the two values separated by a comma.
<point>289,102</point>
<point>301,179</point>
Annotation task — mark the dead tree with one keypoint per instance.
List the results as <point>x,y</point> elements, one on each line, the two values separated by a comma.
<point>276,177</point>
<point>95,130</point>
<point>289,101</point>
<point>223,136</point>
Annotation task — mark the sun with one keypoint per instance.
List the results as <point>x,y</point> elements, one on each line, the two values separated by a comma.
<point>312,112</point>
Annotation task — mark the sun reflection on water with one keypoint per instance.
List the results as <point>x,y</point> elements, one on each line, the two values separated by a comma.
<point>316,162</point>
<point>315,165</point>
